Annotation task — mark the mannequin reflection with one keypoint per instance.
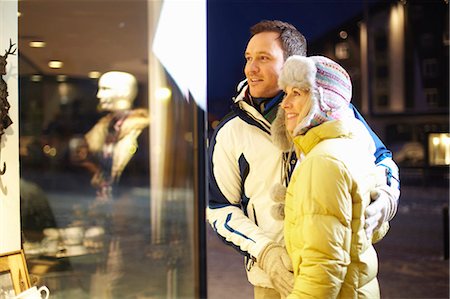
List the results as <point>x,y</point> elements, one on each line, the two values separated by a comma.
<point>113,140</point>
<point>110,146</point>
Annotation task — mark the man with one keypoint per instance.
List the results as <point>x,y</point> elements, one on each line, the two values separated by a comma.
<point>244,164</point>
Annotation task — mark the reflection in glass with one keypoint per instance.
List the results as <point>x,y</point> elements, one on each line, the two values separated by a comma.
<point>112,168</point>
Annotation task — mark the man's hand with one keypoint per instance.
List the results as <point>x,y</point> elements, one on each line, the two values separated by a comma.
<point>275,261</point>
<point>384,197</point>
<point>381,209</point>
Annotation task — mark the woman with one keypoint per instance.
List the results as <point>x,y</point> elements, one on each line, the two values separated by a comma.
<point>330,189</point>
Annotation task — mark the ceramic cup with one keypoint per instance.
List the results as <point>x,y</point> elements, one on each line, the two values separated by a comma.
<point>73,235</point>
<point>51,233</point>
<point>34,293</point>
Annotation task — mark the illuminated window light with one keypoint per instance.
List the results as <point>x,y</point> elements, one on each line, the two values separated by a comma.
<point>163,94</point>
<point>36,78</point>
<point>94,75</point>
<point>55,64</point>
<point>168,53</point>
<point>439,149</point>
<point>342,50</point>
<point>37,44</point>
<point>436,141</point>
<point>446,140</point>
<point>61,78</point>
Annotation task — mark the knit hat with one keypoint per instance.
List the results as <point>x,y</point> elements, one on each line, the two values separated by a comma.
<point>329,83</point>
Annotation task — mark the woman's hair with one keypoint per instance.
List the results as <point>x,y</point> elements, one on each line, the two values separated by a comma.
<point>292,41</point>
<point>306,109</point>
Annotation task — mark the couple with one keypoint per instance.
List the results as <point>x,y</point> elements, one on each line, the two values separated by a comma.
<point>318,241</point>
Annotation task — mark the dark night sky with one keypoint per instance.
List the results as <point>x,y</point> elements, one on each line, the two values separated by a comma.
<point>228,33</point>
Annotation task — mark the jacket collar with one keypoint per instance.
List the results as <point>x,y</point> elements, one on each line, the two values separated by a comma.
<point>245,101</point>
<point>327,130</point>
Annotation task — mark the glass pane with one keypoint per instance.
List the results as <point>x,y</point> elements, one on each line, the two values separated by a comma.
<point>110,166</point>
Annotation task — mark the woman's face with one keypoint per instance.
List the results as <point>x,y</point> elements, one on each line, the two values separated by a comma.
<point>296,105</point>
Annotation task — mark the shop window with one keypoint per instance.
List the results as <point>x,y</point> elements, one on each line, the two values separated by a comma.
<point>427,40</point>
<point>342,50</point>
<point>439,149</point>
<point>430,68</point>
<point>111,149</point>
<point>432,97</point>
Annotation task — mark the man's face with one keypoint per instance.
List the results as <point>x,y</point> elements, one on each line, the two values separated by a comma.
<point>265,59</point>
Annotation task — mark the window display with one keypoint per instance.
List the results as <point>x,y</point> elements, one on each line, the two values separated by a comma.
<point>111,150</point>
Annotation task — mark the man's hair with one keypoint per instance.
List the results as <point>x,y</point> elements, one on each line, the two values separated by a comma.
<point>292,41</point>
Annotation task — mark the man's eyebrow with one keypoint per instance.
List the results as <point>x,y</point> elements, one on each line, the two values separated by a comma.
<point>259,53</point>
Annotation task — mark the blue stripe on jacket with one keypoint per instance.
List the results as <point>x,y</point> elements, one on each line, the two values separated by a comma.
<point>216,198</point>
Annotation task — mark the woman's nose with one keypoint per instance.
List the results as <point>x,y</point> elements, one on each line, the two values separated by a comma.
<point>285,103</point>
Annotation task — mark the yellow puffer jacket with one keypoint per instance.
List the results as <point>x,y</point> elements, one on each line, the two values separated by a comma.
<point>325,203</point>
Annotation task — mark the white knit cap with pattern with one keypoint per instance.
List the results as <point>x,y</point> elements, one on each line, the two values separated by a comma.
<point>329,83</point>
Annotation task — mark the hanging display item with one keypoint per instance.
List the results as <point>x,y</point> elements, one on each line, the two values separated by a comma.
<point>5,120</point>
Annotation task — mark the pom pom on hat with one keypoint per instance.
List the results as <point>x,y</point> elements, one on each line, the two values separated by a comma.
<point>329,83</point>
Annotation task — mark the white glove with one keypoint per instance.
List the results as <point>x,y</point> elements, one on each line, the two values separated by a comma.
<point>275,261</point>
<point>382,209</point>
<point>384,197</point>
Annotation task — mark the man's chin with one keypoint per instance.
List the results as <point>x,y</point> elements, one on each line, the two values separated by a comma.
<point>256,92</point>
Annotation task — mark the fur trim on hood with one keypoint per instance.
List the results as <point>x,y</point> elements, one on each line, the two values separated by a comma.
<point>136,120</point>
<point>280,136</point>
